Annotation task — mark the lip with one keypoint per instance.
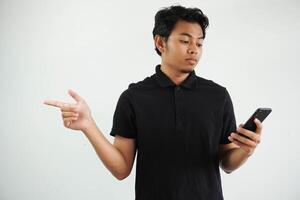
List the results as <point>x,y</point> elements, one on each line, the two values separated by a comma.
<point>191,61</point>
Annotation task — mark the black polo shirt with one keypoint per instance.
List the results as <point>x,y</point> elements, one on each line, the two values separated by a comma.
<point>178,130</point>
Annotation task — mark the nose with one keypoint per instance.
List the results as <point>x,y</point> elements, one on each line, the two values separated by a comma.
<point>193,49</point>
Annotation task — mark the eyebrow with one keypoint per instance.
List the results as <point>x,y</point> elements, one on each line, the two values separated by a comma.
<point>189,35</point>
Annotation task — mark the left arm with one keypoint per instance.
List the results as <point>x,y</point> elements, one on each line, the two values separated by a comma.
<point>236,153</point>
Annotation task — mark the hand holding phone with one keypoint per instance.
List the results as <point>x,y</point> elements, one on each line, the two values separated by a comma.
<point>260,114</point>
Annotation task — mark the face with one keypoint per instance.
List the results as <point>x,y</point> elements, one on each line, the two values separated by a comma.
<point>183,49</point>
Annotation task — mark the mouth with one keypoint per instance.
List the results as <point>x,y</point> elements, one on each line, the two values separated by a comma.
<point>191,61</point>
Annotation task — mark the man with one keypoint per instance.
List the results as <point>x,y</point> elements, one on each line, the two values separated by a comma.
<point>182,125</point>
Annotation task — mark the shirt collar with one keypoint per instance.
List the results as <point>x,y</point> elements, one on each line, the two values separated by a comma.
<point>164,81</point>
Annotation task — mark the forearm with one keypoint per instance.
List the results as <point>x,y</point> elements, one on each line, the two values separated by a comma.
<point>111,157</point>
<point>233,159</point>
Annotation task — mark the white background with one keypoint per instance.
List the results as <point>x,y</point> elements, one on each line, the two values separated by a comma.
<point>98,48</point>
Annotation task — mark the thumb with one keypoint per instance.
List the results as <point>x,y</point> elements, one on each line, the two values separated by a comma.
<point>73,94</point>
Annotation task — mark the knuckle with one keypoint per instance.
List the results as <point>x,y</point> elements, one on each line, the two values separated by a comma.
<point>258,141</point>
<point>66,123</point>
<point>246,141</point>
<point>73,105</point>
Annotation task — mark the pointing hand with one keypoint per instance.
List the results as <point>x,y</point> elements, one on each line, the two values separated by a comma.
<point>76,116</point>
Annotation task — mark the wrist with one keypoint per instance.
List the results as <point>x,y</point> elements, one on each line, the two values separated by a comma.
<point>89,125</point>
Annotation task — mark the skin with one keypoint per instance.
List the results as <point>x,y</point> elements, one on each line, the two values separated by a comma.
<point>118,157</point>
<point>185,41</point>
<point>75,116</point>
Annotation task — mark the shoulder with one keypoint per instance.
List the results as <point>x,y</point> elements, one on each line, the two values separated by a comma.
<point>141,86</point>
<point>214,90</point>
<point>138,87</point>
<point>210,84</point>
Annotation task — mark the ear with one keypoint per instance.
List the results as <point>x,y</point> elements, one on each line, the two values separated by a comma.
<point>160,43</point>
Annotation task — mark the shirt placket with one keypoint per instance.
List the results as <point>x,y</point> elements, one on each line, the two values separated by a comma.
<point>178,95</point>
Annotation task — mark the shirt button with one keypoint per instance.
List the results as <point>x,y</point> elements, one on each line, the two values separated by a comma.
<point>178,88</point>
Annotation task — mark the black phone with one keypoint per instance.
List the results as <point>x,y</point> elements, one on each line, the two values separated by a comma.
<point>260,114</point>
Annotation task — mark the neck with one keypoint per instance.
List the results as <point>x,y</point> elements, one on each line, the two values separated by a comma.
<point>176,76</point>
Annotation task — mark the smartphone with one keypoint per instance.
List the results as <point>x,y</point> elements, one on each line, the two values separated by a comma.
<point>260,114</point>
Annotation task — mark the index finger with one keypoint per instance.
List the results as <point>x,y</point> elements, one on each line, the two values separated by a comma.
<point>54,103</point>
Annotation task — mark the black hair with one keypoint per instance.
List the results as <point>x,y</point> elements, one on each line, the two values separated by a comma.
<point>166,19</point>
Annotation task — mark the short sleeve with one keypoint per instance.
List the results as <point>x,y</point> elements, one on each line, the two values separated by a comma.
<point>124,118</point>
<point>229,123</point>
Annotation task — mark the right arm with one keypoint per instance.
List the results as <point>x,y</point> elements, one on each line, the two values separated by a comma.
<point>118,158</point>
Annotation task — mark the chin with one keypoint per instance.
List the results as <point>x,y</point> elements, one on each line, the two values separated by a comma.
<point>188,69</point>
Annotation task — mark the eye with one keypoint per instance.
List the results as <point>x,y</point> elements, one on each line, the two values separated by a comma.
<point>199,45</point>
<point>184,41</point>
